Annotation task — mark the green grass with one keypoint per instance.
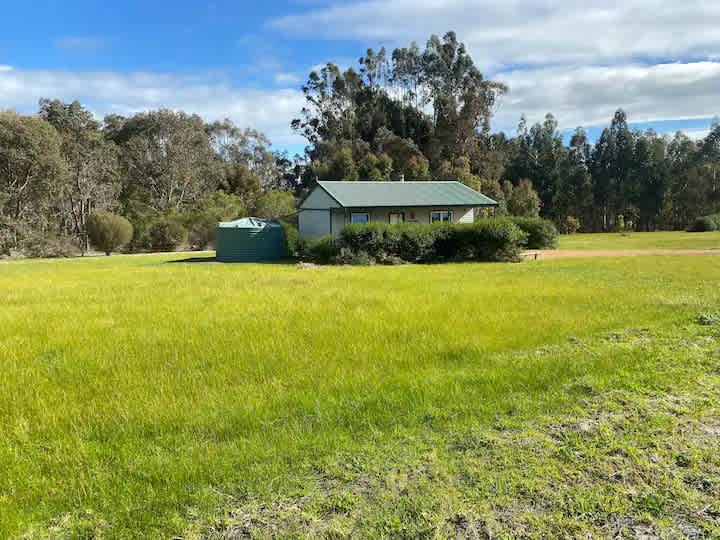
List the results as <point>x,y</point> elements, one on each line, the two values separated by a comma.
<point>140,397</point>
<point>652,240</point>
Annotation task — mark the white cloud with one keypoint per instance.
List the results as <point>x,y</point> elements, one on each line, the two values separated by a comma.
<point>5,68</point>
<point>124,93</point>
<point>590,95</point>
<point>527,31</point>
<point>286,78</point>
<point>697,134</point>
<point>581,61</point>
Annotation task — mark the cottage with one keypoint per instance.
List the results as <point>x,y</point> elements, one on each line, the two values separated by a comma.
<point>331,205</point>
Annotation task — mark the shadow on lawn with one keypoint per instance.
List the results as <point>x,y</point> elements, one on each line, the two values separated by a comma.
<point>193,260</point>
<point>214,260</point>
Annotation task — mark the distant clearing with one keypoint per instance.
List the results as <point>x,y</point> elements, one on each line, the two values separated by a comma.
<point>638,240</point>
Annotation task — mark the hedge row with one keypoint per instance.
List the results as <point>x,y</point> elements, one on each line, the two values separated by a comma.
<point>706,223</point>
<point>541,233</point>
<point>484,240</point>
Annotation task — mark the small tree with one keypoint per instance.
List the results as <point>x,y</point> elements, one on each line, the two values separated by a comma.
<point>167,234</point>
<point>275,203</point>
<point>523,200</point>
<point>571,225</point>
<point>201,218</point>
<point>107,232</point>
<point>620,225</point>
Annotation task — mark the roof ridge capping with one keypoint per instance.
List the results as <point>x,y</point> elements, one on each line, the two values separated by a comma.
<point>398,182</point>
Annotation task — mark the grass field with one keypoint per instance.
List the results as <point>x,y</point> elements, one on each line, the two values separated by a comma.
<point>653,240</point>
<point>145,397</point>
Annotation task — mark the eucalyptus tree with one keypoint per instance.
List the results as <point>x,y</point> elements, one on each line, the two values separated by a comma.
<point>91,161</point>
<point>32,169</point>
<point>462,99</point>
<point>710,153</point>
<point>166,159</point>
<point>247,164</point>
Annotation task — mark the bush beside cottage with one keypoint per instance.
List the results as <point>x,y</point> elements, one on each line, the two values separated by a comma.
<point>382,243</point>
<point>706,224</point>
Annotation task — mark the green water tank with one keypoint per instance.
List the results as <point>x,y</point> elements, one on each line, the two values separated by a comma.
<point>250,240</point>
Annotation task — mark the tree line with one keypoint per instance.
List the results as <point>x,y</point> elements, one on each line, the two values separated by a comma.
<point>422,114</point>
<point>415,113</point>
<point>170,174</point>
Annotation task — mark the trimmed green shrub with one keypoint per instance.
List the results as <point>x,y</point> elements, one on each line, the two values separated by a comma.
<point>167,234</point>
<point>541,233</point>
<point>322,250</point>
<point>484,240</point>
<point>347,256</point>
<point>415,243</point>
<point>706,224</point>
<point>493,240</point>
<point>107,232</point>
<point>703,224</point>
<point>370,238</point>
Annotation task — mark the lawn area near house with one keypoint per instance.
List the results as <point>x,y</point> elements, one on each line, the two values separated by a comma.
<point>145,397</point>
<point>641,240</point>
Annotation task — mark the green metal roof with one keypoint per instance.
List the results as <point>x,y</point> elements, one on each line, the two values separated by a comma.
<point>248,223</point>
<point>397,194</point>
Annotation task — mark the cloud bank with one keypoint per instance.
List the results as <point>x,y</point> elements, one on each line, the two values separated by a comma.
<point>590,95</point>
<point>654,58</point>
<point>581,61</point>
<point>527,31</point>
<point>106,92</point>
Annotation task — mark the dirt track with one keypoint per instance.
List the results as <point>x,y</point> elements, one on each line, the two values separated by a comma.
<point>575,253</point>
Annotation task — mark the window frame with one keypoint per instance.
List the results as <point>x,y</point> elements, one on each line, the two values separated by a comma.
<point>441,211</point>
<point>366,214</point>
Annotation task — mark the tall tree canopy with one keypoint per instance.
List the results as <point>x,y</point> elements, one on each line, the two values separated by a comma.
<point>91,162</point>
<point>419,108</point>
<point>31,168</point>
<point>167,158</point>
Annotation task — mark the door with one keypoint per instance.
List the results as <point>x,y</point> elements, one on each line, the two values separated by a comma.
<point>397,217</point>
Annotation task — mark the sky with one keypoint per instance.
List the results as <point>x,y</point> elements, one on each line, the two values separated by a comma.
<point>657,59</point>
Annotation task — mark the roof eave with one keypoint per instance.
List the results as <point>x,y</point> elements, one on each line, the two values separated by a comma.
<point>424,205</point>
<point>325,189</point>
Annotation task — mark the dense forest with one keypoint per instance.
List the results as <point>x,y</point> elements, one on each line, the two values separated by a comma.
<point>418,113</point>
<point>170,174</point>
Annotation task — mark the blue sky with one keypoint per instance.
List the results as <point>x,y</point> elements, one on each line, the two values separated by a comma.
<point>655,58</point>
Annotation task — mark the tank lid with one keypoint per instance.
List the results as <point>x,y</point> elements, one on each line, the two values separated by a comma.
<point>249,223</point>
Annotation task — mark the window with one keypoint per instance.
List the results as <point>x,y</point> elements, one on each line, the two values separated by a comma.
<point>440,215</point>
<point>359,217</point>
<point>397,217</point>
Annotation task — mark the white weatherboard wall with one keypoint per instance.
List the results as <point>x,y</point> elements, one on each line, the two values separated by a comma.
<point>417,214</point>
<point>314,221</point>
